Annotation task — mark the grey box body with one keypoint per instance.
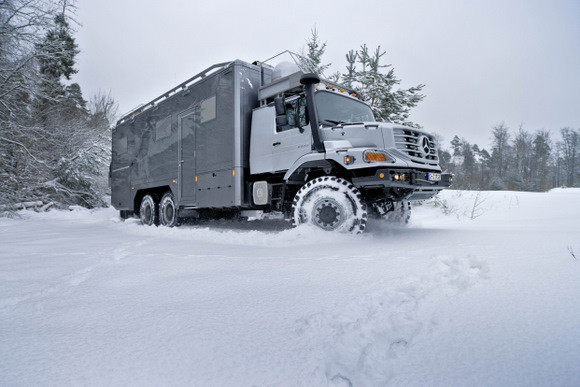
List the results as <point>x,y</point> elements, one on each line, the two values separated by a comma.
<point>196,142</point>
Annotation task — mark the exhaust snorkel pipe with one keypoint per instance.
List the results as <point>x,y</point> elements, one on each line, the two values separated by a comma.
<point>309,80</point>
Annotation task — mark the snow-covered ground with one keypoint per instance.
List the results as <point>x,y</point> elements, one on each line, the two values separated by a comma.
<point>461,296</point>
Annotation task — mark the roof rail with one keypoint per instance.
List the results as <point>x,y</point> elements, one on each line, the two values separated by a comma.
<point>181,86</point>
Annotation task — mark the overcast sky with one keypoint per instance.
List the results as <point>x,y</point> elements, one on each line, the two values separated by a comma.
<point>483,62</point>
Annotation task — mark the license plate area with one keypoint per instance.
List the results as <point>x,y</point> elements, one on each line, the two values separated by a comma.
<point>434,176</point>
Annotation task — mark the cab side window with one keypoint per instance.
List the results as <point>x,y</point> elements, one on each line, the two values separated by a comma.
<point>296,113</point>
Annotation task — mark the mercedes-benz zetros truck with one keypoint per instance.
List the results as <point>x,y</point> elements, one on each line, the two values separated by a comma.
<point>248,138</point>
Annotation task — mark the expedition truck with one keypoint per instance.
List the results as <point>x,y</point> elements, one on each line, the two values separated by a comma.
<point>249,138</point>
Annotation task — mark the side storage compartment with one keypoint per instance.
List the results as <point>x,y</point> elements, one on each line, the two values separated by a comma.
<point>216,189</point>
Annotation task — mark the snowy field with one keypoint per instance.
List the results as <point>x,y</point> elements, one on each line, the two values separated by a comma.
<point>464,295</point>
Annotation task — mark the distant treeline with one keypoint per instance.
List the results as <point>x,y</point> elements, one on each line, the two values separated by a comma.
<point>517,160</point>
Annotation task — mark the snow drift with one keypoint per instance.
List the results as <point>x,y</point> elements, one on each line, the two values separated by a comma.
<point>480,288</point>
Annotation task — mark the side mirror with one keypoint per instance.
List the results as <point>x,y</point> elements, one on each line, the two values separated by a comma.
<point>280,106</point>
<point>281,121</point>
<point>281,117</point>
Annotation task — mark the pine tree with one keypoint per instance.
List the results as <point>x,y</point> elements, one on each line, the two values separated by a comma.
<point>456,145</point>
<point>56,55</point>
<point>314,52</point>
<point>483,158</point>
<point>469,164</point>
<point>541,149</point>
<point>374,81</point>
<point>350,76</point>
<point>444,160</point>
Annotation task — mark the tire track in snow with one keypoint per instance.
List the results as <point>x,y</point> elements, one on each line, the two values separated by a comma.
<point>358,346</point>
<point>71,280</point>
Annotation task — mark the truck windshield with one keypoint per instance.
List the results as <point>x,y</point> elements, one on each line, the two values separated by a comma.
<point>337,109</point>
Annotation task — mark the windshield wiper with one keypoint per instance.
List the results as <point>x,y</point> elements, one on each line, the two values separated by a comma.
<point>332,122</point>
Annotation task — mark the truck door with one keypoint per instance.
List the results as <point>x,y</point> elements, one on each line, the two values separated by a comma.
<point>186,157</point>
<point>294,140</point>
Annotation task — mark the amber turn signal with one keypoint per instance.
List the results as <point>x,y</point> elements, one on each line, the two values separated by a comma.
<point>375,156</point>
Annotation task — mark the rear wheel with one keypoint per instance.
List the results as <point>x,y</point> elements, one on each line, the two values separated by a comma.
<point>168,210</point>
<point>148,210</point>
<point>331,203</point>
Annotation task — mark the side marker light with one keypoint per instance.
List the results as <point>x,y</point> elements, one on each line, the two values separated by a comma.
<point>348,160</point>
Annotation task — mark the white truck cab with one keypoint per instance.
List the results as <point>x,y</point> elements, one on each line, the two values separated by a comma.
<point>308,130</point>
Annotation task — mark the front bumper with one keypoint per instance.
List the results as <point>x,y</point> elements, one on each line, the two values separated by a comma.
<point>416,183</point>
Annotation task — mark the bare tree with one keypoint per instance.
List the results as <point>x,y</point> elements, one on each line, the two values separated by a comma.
<point>521,171</point>
<point>103,106</point>
<point>569,147</point>
<point>500,149</point>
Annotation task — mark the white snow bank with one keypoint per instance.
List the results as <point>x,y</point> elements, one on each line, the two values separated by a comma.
<point>451,299</point>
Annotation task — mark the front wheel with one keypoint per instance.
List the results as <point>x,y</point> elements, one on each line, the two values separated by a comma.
<point>400,214</point>
<point>331,203</point>
<point>168,210</point>
<point>392,212</point>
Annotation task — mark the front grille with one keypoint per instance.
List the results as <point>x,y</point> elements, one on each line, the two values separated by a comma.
<point>410,142</point>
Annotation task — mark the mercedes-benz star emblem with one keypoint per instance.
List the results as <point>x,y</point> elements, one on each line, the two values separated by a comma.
<point>425,145</point>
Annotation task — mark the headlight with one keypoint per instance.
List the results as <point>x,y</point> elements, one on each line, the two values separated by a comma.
<point>373,155</point>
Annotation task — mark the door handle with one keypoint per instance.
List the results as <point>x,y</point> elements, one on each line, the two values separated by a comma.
<point>276,143</point>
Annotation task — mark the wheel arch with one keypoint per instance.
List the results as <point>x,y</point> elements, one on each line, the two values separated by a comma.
<point>318,163</point>
<point>156,192</point>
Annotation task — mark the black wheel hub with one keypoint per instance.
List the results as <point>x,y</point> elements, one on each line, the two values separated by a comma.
<point>328,214</point>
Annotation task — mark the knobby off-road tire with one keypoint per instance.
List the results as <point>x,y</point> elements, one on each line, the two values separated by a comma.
<point>400,214</point>
<point>331,203</point>
<point>168,210</point>
<point>148,212</point>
